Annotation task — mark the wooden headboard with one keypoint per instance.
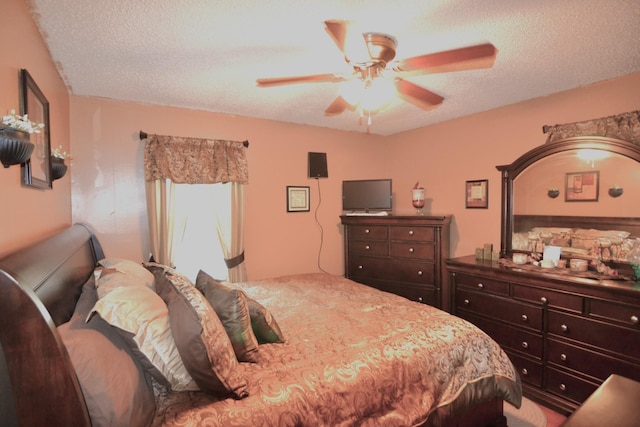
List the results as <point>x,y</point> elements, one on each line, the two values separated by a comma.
<point>39,287</point>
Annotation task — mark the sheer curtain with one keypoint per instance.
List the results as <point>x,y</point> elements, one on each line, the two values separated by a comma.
<point>181,174</point>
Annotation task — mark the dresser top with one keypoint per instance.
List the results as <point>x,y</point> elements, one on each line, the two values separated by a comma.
<point>552,277</point>
<point>397,219</point>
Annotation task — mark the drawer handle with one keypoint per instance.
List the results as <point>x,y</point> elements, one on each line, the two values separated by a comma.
<point>543,300</point>
<point>467,302</point>
<point>367,231</point>
<point>410,250</point>
<point>480,286</point>
<point>635,320</point>
<point>525,318</point>
<point>367,247</point>
<point>419,272</point>
<point>360,267</point>
<point>562,387</point>
<point>410,232</point>
<point>563,357</point>
<point>524,371</point>
<point>525,344</point>
<point>564,328</point>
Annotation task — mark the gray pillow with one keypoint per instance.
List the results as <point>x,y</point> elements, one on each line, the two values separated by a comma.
<point>116,390</point>
<point>200,336</point>
<point>264,326</point>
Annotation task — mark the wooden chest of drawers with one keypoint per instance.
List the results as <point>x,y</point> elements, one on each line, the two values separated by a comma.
<point>400,254</point>
<point>564,335</point>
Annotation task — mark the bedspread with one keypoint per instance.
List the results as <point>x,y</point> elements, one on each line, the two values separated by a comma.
<point>353,356</point>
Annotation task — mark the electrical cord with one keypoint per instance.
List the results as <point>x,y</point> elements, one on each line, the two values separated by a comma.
<point>319,226</point>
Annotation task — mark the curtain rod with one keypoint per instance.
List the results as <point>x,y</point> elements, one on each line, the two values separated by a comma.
<point>143,135</point>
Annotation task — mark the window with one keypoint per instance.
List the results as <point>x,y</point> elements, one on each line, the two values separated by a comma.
<point>196,243</point>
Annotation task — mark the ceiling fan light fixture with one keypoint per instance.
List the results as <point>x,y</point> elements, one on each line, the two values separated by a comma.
<point>378,93</point>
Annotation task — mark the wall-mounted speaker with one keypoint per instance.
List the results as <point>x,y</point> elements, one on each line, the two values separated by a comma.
<point>318,165</point>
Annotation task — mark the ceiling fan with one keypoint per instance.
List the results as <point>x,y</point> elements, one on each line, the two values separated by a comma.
<point>372,61</point>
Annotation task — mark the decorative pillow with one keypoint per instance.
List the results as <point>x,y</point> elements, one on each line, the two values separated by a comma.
<point>129,267</point>
<point>115,388</point>
<point>201,339</point>
<point>114,272</point>
<point>232,308</point>
<point>142,319</point>
<point>264,326</point>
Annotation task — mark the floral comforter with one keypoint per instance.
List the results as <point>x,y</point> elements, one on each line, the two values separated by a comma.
<point>353,356</point>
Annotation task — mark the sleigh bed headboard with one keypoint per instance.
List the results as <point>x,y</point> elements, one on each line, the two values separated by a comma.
<point>39,287</point>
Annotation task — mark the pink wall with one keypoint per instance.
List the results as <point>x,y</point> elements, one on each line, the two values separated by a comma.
<point>28,214</point>
<point>108,183</point>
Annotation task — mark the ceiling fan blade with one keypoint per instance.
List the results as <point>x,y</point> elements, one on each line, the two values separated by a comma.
<point>315,78</point>
<point>466,58</point>
<point>418,96</point>
<point>352,47</point>
<point>338,29</point>
<point>337,107</point>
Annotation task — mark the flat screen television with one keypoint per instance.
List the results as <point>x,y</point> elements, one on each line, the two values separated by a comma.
<point>367,195</point>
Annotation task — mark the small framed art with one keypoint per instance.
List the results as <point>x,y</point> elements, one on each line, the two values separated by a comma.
<point>582,186</point>
<point>297,199</point>
<point>477,194</point>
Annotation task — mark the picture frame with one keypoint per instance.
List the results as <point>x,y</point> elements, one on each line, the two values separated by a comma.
<point>298,199</point>
<point>36,172</point>
<point>477,194</point>
<point>582,186</point>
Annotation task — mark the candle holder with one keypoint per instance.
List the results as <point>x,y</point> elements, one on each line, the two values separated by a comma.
<point>418,200</point>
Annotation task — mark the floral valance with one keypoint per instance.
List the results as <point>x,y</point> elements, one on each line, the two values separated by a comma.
<point>625,126</point>
<point>195,161</point>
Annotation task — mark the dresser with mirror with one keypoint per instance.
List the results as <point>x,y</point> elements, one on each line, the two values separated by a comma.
<point>563,300</point>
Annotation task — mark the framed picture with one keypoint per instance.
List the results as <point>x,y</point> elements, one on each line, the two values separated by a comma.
<point>477,194</point>
<point>36,172</point>
<point>297,199</point>
<point>582,186</point>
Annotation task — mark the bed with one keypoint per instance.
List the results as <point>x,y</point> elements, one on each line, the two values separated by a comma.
<point>350,354</point>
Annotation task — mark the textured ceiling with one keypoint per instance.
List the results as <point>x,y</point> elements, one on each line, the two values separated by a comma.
<point>207,54</point>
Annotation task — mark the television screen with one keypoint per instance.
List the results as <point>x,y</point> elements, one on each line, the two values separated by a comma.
<point>366,195</point>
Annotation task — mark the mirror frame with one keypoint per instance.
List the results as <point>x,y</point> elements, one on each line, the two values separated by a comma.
<point>511,171</point>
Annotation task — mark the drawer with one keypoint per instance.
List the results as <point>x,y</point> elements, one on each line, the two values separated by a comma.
<point>618,339</point>
<point>395,270</point>
<point>379,248</point>
<point>412,234</point>
<point>530,371</point>
<point>482,283</point>
<point>412,272</point>
<point>549,298</point>
<point>368,232</point>
<point>588,362</point>
<point>568,386</point>
<point>412,250</point>
<point>624,313</point>
<point>508,337</point>
<point>424,294</point>
<point>515,312</point>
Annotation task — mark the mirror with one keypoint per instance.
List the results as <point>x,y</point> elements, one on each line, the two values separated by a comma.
<point>36,171</point>
<point>586,183</point>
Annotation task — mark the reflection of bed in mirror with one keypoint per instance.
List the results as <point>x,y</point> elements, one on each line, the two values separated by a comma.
<point>608,239</point>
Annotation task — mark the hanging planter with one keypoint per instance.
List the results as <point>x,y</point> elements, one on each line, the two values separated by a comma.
<point>15,146</point>
<point>58,168</point>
